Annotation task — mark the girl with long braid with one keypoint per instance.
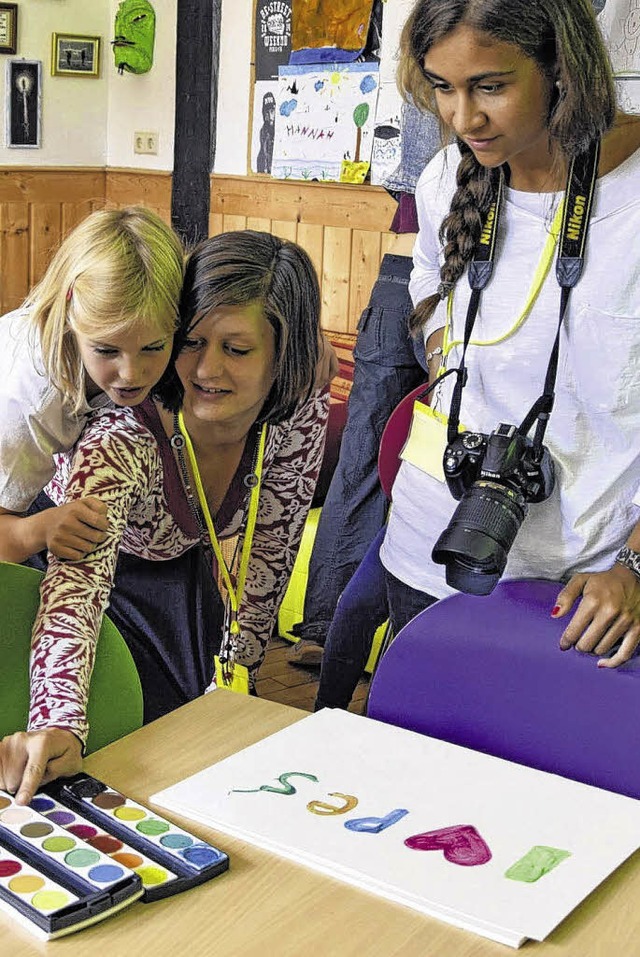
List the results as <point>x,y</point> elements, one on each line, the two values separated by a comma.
<point>522,89</point>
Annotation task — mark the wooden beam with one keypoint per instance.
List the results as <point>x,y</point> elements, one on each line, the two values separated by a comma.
<point>197,58</point>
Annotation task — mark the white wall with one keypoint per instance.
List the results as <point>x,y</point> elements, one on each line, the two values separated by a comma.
<point>234,87</point>
<point>73,108</point>
<point>145,102</point>
<point>91,122</point>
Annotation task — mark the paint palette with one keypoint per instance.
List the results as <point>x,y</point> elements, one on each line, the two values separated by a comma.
<point>52,880</point>
<point>166,858</point>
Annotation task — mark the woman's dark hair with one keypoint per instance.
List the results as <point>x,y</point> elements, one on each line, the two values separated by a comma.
<point>563,38</point>
<point>244,267</point>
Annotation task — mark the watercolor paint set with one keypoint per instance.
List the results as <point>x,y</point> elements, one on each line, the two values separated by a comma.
<point>51,881</point>
<point>82,851</point>
<point>167,858</point>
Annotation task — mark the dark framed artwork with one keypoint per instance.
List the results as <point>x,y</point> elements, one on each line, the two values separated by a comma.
<point>23,108</point>
<point>272,37</point>
<point>8,27</point>
<point>75,55</point>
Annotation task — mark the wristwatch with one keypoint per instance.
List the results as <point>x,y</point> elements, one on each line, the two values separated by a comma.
<point>630,559</point>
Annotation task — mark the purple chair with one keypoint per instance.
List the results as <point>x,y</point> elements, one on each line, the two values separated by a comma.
<point>487,673</point>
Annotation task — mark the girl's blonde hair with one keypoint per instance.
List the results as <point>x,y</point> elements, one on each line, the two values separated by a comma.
<point>117,268</point>
<point>563,38</point>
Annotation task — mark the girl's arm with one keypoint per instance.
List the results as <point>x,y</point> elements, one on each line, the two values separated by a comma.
<point>117,465</point>
<point>285,498</point>
<point>608,612</point>
<point>34,426</point>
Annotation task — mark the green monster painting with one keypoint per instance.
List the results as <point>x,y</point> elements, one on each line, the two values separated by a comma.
<point>135,31</point>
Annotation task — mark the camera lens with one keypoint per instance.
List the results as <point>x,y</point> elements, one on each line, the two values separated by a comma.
<point>475,544</point>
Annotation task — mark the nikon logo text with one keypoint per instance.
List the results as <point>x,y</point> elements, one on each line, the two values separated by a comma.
<point>575,221</point>
<point>485,235</point>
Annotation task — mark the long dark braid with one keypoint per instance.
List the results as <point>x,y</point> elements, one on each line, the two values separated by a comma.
<point>460,229</point>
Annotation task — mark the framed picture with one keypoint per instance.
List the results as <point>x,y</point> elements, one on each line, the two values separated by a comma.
<point>23,91</point>
<point>8,27</point>
<point>75,55</point>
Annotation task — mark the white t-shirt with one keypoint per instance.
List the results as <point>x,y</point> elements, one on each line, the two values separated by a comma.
<point>34,422</point>
<point>594,429</point>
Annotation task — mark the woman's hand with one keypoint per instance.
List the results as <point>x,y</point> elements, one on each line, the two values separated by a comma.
<point>609,611</point>
<point>31,758</point>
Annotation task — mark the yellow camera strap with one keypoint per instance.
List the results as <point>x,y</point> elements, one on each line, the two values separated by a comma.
<point>541,273</point>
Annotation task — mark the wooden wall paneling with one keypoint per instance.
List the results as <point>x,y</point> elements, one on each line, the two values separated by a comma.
<point>230,223</point>
<point>336,261</point>
<point>216,224</point>
<point>46,185</point>
<point>325,204</point>
<point>74,213</point>
<point>285,229</point>
<point>259,223</point>
<point>311,238</point>
<point>39,205</point>
<point>365,264</point>
<point>338,225</point>
<point>400,244</point>
<point>14,254</point>
<point>45,234</point>
<point>140,187</point>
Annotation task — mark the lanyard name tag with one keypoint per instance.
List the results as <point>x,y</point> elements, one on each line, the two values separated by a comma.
<point>427,440</point>
<point>237,681</point>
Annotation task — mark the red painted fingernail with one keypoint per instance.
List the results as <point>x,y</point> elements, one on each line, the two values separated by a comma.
<point>556,609</point>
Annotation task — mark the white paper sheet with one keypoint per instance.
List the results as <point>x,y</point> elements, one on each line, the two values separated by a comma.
<point>619,23</point>
<point>513,808</point>
<point>394,15</point>
<point>324,116</point>
<point>386,154</point>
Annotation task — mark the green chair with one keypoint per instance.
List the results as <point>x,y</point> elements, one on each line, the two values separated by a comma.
<point>115,694</point>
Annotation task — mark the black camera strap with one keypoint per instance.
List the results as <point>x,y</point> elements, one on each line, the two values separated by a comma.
<point>570,260</point>
<point>579,194</point>
<point>480,269</point>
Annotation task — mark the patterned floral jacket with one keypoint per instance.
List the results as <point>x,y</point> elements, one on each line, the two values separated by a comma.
<point>124,457</point>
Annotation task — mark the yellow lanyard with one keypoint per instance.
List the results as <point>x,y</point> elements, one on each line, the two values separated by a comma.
<point>539,277</point>
<point>235,594</point>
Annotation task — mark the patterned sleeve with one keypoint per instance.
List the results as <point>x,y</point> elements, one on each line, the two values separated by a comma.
<point>117,461</point>
<point>287,491</point>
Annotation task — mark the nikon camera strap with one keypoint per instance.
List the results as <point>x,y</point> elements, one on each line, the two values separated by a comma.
<point>579,194</point>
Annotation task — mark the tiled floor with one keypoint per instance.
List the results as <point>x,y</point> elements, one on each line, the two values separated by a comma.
<point>295,686</point>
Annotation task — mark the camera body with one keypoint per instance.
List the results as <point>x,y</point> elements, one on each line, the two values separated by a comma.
<point>505,456</point>
<point>494,477</point>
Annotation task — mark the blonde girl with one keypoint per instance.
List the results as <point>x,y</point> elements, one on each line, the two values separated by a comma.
<point>97,329</point>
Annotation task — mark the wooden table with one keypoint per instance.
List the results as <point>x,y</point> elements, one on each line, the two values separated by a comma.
<point>269,907</point>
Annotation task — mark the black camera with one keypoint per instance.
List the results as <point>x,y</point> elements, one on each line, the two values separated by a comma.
<point>495,477</point>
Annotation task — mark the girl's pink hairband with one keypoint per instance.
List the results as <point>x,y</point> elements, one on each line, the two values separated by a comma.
<point>70,292</point>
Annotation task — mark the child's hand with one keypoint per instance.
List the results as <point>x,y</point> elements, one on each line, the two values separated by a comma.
<point>31,758</point>
<point>75,529</point>
<point>609,611</point>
